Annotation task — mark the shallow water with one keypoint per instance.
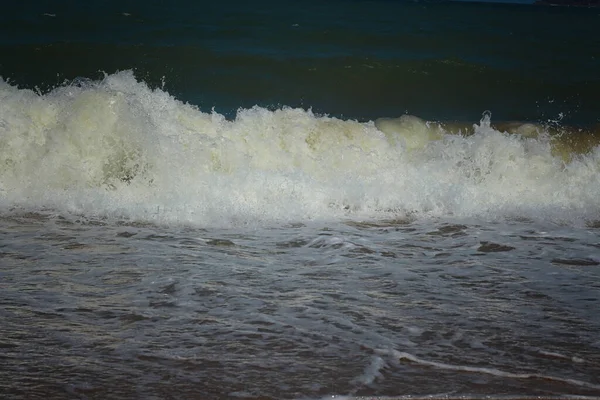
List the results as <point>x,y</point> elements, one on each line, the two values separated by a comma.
<point>99,309</point>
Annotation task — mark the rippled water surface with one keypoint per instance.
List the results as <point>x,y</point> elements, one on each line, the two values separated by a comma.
<point>299,200</point>
<point>97,309</point>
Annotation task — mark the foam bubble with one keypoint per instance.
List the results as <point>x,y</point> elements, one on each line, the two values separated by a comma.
<point>116,148</point>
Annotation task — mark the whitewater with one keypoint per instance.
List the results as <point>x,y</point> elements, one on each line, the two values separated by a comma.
<point>117,149</point>
<point>152,249</point>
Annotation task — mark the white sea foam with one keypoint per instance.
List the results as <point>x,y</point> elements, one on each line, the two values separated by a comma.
<point>371,372</point>
<point>575,359</point>
<point>116,148</point>
<point>482,370</point>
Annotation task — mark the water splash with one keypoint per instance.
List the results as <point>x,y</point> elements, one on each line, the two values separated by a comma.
<point>117,148</point>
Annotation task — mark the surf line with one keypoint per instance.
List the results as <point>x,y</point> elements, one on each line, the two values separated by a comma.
<point>490,371</point>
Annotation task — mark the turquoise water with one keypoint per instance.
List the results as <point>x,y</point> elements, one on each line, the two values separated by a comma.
<point>300,200</point>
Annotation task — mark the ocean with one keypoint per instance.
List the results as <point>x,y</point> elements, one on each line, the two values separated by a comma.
<point>351,199</point>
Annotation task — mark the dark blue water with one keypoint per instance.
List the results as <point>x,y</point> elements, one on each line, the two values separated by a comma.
<point>355,59</point>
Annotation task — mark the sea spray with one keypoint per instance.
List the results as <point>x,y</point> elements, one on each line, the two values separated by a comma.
<point>118,148</point>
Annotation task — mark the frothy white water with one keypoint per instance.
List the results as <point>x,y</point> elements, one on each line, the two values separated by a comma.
<point>481,370</point>
<point>372,372</point>
<point>116,148</point>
